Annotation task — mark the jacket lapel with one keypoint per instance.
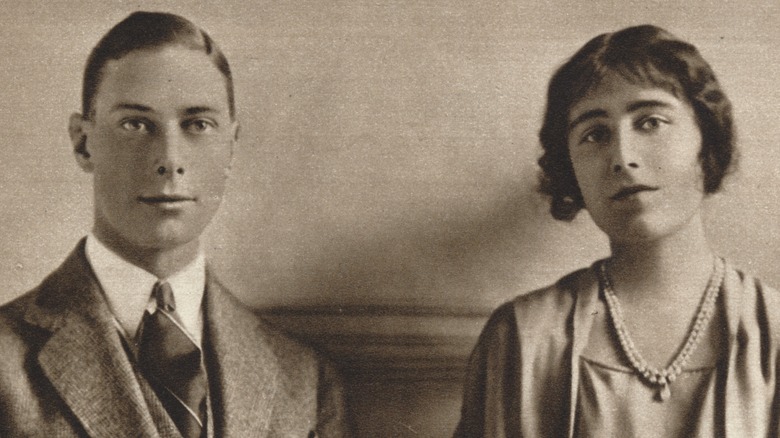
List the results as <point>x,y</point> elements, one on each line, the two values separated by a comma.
<point>84,358</point>
<point>242,367</point>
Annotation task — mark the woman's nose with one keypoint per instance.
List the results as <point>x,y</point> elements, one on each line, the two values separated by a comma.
<point>624,152</point>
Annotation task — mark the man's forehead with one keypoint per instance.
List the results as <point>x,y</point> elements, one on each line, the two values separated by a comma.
<point>169,76</point>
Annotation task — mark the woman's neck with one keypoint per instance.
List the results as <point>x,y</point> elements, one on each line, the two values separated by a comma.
<point>668,268</point>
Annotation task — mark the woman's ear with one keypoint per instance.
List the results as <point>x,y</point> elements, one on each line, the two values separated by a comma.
<point>77,129</point>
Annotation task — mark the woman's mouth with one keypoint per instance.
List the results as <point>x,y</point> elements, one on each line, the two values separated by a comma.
<point>626,192</point>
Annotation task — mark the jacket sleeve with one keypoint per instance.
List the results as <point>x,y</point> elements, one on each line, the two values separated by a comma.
<point>332,418</point>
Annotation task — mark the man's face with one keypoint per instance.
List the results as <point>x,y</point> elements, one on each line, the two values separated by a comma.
<point>159,144</point>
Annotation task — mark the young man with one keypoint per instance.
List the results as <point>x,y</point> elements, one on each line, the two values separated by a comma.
<point>132,335</point>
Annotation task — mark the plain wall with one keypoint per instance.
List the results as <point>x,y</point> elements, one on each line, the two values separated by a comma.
<point>387,156</point>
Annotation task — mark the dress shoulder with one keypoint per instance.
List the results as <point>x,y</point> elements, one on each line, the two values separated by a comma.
<point>752,303</point>
<point>541,308</point>
<point>518,369</point>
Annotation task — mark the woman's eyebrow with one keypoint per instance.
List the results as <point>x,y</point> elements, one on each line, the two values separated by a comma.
<point>631,107</point>
<point>650,103</point>
<point>587,115</point>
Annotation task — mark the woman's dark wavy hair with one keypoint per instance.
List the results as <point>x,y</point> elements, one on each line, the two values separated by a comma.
<point>150,30</point>
<point>641,54</point>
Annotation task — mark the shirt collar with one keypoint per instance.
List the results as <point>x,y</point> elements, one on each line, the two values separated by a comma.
<point>128,288</point>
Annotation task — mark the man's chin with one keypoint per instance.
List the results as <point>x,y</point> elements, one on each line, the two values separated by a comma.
<point>145,235</point>
<point>167,236</point>
<point>167,241</point>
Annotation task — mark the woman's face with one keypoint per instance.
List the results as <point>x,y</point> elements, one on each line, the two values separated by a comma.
<point>635,152</point>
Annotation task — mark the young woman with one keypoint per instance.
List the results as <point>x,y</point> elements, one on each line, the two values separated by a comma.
<point>663,338</point>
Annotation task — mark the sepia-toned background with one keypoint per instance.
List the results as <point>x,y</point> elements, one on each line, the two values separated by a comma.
<point>382,200</point>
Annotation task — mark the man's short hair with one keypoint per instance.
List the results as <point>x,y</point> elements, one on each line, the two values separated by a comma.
<point>150,30</point>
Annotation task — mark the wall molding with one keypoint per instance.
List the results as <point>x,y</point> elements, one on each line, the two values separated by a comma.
<point>387,343</point>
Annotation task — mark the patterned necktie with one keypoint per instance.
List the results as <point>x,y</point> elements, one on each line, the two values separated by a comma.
<point>171,362</point>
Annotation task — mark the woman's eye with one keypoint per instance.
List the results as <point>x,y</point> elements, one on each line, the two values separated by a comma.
<point>651,123</point>
<point>136,125</point>
<point>200,126</point>
<point>596,135</point>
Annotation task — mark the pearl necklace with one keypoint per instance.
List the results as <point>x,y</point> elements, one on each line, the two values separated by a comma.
<point>661,379</point>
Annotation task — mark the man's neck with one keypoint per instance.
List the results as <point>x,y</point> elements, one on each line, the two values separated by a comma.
<point>161,262</point>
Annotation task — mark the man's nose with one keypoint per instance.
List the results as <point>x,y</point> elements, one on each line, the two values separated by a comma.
<point>171,150</point>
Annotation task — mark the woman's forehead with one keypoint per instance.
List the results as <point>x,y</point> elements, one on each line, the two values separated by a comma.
<point>610,81</point>
<point>645,74</point>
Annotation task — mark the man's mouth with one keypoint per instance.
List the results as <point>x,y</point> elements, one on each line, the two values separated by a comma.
<point>165,199</point>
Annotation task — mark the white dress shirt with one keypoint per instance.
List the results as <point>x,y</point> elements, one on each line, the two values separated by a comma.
<point>128,289</point>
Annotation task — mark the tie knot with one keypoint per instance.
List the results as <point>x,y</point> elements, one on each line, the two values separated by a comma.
<point>163,295</point>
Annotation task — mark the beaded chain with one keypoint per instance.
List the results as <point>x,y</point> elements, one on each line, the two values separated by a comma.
<point>662,378</point>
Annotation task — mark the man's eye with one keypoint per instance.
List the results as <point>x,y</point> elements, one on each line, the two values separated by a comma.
<point>200,126</point>
<point>135,125</point>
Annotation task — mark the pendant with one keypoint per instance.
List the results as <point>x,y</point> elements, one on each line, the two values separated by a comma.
<point>663,393</point>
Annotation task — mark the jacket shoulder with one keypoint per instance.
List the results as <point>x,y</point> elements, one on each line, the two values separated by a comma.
<point>12,312</point>
<point>285,347</point>
<point>308,388</point>
<point>14,330</point>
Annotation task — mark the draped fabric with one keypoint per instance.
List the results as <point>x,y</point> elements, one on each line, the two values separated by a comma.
<point>614,402</point>
<point>523,377</point>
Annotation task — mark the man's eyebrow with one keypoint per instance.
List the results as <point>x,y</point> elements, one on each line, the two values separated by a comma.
<point>199,109</point>
<point>131,106</point>
<point>143,108</point>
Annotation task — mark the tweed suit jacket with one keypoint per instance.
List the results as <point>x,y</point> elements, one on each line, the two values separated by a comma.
<point>64,371</point>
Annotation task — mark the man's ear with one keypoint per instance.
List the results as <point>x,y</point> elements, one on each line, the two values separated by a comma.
<point>236,127</point>
<point>77,128</point>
